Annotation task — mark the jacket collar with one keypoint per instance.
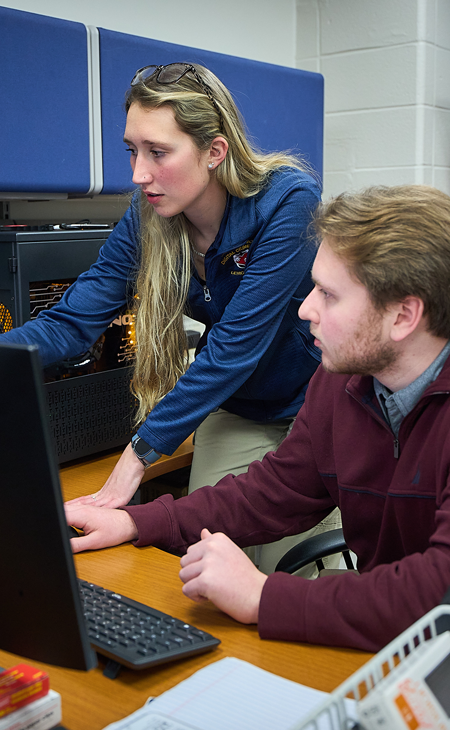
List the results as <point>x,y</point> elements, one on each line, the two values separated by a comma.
<point>241,223</point>
<point>361,387</point>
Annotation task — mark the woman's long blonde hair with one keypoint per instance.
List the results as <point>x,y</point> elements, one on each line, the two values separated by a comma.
<point>162,283</point>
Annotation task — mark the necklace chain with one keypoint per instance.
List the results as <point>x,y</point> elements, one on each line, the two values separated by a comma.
<point>198,253</point>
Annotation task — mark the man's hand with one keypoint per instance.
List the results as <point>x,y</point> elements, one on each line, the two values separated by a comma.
<point>216,569</point>
<point>120,485</point>
<point>101,527</point>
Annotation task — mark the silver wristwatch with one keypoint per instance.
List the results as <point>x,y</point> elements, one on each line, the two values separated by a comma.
<point>146,455</point>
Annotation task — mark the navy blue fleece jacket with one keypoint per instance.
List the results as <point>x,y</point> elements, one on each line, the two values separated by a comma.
<point>256,356</point>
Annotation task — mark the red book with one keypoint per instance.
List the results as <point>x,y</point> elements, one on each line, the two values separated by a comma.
<point>21,685</point>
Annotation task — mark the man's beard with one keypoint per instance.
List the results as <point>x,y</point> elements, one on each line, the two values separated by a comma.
<point>365,353</point>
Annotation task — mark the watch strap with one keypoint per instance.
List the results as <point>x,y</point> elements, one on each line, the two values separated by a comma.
<point>145,453</point>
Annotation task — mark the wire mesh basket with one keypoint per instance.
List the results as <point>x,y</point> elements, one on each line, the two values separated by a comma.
<point>339,710</point>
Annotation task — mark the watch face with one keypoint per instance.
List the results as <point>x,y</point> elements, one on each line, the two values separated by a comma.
<point>141,447</point>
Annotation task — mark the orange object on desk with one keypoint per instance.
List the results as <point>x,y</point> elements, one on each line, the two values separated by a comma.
<point>21,685</point>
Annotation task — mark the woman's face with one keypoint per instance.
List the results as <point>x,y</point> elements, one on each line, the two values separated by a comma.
<point>166,163</point>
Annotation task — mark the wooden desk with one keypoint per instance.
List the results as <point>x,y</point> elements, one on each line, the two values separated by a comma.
<point>90,701</point>
<point>90,474</point>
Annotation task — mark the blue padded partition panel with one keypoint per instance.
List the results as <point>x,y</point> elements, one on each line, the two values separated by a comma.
<point>282,107</point>
<point>44,118</point>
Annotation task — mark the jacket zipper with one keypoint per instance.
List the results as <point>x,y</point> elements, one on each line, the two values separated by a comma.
<point>206,293</point>
<point>380,420</point>
<point>396,441</point>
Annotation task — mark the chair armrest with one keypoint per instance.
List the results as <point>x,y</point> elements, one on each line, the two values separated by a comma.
<point>313,549</point>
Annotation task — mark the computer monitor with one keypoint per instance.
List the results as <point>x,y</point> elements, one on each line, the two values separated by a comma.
<point>40,609</point>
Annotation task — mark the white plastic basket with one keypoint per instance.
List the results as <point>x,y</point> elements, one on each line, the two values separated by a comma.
<point>338,712</point>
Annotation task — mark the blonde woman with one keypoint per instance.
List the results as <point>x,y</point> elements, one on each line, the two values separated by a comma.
<point>217,231</point>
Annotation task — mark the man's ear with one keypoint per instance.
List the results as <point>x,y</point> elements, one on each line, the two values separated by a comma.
<point>408,315</point>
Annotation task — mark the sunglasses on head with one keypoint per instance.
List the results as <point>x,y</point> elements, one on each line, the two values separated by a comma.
<point>172,73</point>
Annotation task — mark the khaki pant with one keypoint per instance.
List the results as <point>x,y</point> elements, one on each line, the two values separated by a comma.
<point>227,444</point>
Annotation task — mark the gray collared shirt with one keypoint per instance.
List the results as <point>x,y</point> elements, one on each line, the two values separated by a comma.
<point>396,406</point>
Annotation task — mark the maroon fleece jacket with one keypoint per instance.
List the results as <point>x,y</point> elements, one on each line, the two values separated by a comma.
<point>395,513</point>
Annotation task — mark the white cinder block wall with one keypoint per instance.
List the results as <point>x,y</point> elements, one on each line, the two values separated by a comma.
<point>386,65</point>
<point>259,29</point>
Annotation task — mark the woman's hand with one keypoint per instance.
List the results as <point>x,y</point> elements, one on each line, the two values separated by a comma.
<point>120,485</point>
<point>102,527</point>
<point>217,570</point>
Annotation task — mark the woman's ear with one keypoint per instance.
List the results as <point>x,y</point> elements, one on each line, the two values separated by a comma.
<point>217,152</point>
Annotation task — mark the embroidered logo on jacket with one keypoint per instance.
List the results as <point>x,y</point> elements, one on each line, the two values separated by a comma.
<point>240,259</point>
<point>239,256</point>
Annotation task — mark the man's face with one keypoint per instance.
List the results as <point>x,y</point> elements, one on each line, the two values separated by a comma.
<point>352,334</point>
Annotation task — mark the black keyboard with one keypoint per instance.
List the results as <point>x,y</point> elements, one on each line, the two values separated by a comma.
<point>134,634</point>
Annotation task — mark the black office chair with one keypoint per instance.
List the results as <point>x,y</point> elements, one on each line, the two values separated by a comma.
<point>313,550</point>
